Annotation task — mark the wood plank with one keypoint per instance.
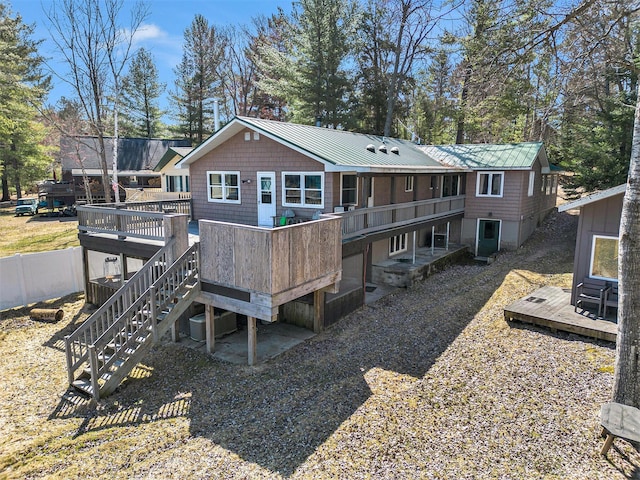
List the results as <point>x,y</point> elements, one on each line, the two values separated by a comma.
<point>550,307</point>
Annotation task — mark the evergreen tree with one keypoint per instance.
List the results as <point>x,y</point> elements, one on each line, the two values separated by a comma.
<point>198,81</point>
<point>24,158</point>
<point>597,122</point>
<point>141,90</point>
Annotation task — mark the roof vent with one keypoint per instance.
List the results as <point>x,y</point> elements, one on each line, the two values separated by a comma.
<point>371,147</point>
<point>383,148</point>
<point>395,150</point>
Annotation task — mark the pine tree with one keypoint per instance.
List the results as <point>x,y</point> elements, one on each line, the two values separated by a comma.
<point>23,87</point>
<point>198,81</point>
<point>141,90</point>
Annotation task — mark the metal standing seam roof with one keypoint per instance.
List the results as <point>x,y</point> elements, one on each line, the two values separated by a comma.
<point>343,148</point>
<point>486,156</point>
<point>338,148</point>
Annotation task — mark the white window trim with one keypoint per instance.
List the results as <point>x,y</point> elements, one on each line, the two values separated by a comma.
<point>402,240</point>
<point>224,188</point>
<point>593,251</point>
<point>408,183</point>
<point>532,182</point>
<point>491,174</point>
<point>342,174</point>
<point>302,195</point>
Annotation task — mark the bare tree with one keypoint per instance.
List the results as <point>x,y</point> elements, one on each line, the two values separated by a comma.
<point>96,49</point>
<point>626,388</point>
<point>413,21</point>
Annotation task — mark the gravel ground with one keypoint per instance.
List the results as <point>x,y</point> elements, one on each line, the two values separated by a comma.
<point>429,382</point>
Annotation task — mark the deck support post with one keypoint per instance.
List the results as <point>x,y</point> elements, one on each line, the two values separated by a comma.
<point>175,332</point>
<point>318,311</point>
<point>210,333</point>
<point>252,341</point>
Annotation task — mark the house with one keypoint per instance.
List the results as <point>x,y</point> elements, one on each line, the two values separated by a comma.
<point>172,179</point>
<point>386,191</point>
<point>137,159</point>
<point>294,223</point>
<point>510,191</point>
<point>596,254</point>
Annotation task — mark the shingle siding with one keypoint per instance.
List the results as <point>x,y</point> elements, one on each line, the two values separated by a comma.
<point>250,157</point>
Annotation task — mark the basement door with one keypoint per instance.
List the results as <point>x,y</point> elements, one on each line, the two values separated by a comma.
<point>266,198</point>
<point>488,237</point>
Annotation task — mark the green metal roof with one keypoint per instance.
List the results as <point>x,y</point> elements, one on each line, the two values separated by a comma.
<point>487,156</point>
<point>342,148</point>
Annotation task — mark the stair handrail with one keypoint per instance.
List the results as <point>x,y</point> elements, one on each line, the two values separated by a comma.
<point>77,343</point>
<point>134,322</point>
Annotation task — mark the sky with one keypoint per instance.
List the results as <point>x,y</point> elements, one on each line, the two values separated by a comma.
<point>162,33</point>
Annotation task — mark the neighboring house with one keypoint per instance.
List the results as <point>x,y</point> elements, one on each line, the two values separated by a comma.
<point>511,190</point>
<point>137,159</point>
<point>173,180</point>
<point>596,254</point>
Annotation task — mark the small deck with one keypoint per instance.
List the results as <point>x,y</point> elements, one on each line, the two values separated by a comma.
<point>551,307</point>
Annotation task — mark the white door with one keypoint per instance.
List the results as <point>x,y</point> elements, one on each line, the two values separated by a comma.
<point>266,198</point>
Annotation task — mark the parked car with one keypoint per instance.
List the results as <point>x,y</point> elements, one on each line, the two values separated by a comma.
<point>27,205</point>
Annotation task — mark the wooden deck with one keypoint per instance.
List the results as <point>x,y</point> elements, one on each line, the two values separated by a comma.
<point>551,307</point>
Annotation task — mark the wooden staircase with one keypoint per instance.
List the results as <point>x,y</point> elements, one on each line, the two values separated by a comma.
<point>112,341</point>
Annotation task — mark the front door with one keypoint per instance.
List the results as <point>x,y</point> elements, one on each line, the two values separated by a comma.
<point>488,237</point>
<point>266,198</point>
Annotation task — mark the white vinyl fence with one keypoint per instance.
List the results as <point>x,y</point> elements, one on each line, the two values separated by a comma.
<point>33,277</point>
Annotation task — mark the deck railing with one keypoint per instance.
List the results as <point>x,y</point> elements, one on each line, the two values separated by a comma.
<point>139,220</point>
<point>154,195</point>
<point>369,220</point>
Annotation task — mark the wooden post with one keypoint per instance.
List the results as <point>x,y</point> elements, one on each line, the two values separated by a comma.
<point>154,313</point>
<point>210,332</point>
<point>318,311</point>
<point>252,333</point>
<point>175,332</point>
<point>176,226</point>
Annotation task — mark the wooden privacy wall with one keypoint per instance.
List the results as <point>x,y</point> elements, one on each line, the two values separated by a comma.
<point>271,261</point>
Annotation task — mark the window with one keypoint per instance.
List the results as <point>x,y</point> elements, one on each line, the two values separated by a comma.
<point>408,183</point>
<point>177,183</point>
<point>451,185</point>
<point>490,184</point>
<point>398,244</point>
<point>223,187</point>
<point>303,190</point>
<point>532,181</point>
<point>604,258</point>
<point>554,184</point>
<point>349,189</point>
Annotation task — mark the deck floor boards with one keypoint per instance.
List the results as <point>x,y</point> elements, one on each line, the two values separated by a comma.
<point>551,307</point>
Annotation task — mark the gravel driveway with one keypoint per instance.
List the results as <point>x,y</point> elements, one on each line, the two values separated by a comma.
<point>429,382</point>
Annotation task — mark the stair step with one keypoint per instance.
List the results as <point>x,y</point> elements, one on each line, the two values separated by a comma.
<point>83,385</point>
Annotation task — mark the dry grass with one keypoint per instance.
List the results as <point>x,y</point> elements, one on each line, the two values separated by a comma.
<point>27,234</point>
<point>430,382</point>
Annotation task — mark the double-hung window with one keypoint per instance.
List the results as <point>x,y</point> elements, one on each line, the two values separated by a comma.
<point>223,187</point>
<point>303,189</point>
<point>490,184</point>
